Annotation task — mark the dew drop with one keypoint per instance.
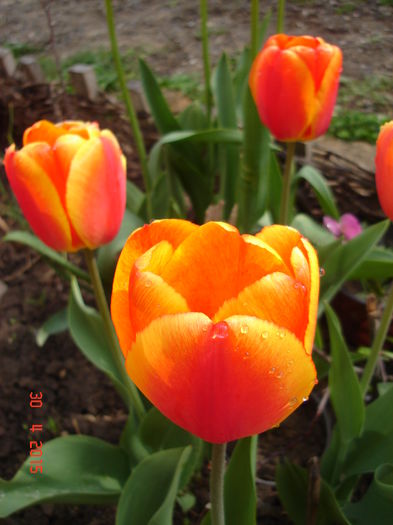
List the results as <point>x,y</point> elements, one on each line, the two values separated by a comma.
<point>281,334</point>
<point>246,355</point>
<point>272,370</point>
<point>148,283</point>
<point>279,374</point>
<point>244,329</point>
<point>316,381</point>
<point>305,398</point>
<point>204,329</point>
<point>321,272</point>
<point>292,402</point>
<point>265,335</point>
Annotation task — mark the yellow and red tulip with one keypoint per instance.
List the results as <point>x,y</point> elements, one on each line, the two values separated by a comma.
<point>384,168</point>
<point>69,180</point>
<point>294,82</point>
<point>217,328</point>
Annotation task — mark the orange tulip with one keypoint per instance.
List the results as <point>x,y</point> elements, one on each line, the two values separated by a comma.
<point>294,82</point>
<point>69,179</point>
<point>384,168</point>
<point>216,327</point>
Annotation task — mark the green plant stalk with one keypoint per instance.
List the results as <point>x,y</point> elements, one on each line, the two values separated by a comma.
<point>135,400</point>
<point>378,342</point>
<point>286,186</point>
<point>254,28</point>
<point>136,130</point>
<point>280,16</point>
<point>206,61</point>
<point>217,484</point>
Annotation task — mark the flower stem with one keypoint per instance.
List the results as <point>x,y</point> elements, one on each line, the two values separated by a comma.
<point>140,146</point>
<point>254,27</point>
<point>217,484</point>
<point>135,400</point>
<point>280,16</point>
<point>205,55</point>
<point>378,342</point>
<point>286,188</point>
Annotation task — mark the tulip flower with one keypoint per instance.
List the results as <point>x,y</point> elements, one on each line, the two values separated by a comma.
<point>217,328</point>
<point>294,82</point>
<point>69,179</point>
<point>384,168</point>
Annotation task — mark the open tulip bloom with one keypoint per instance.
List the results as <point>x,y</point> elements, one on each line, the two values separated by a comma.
<point>217,328</point>
<point>70,181</point>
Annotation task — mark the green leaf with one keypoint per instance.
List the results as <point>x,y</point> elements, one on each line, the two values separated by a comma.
<point>34,242</point>
<point>225,101</point>
<point>135,199</point>
<point>162,115</point>
<point>344,260</point>
<point>322,190</point>
<point>150,493</point>
<point>376,505</point>
<point>292,485</point>
<point>239,492</point>
<point>109,253</point>
<point>315,233</point>
<point>156,432</point>
<point>75,469</point>
<point>378,265</point>
<point>88,332</point>
<point>379,414</point>
<point>55,324</point>
<point>344,386</point>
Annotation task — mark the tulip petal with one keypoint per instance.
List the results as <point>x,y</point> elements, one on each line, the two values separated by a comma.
<point>384,168</point>
<point>140,241</point>
<point>313,294</point>
<point>221,381</point>
<point>282,239</point>
<point>42,131</point>
<point>277,298</point>
<point>28,173</point>
<point>96,191</point>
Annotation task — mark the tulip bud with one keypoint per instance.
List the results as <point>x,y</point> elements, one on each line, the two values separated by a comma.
<point>384,168</point>
<point>294,82</point>
<point>217,328</point>
<point>70,181</point>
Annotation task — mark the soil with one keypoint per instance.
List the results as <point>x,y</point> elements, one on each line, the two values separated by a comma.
<point>77,397</point>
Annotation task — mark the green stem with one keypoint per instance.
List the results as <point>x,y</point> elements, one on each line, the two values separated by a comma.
<point>206,62</point>
<point>286,186</point>
<point>280,16</point>
<point>254,27</point>
<point>140,146</point>
<point>217,484</point>
<point>378,342</point>
<point>117,356</point>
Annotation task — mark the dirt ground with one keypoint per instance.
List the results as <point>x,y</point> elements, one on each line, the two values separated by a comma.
<point>78,398</point>
<point>168,31</point>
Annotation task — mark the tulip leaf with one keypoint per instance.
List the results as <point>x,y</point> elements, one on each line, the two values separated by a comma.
<point>75,469</point>
<point>345,259</point>
<point>55,324</point>
<point>34,242</point>
<point>292,484</point>
<point>156,432</point>
<point>88,333</point>
<point>321,188</point>
<point>240,495</point>
<point>150,493</point>
<point>135,199</point>
<point>377,504</point>
<point>378,265</point>
<point>226,115</point>
<point>108,254</point>
<point>315,233</point>
<point>344,385</point>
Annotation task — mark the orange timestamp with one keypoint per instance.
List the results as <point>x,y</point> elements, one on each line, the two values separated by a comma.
<point>36,461</point>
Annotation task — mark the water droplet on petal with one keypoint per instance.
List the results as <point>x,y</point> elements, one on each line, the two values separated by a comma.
<point>292,402</point>
<point>244,329</point>
<point>265,335</point>
<point>305,398</point>
<point>279,374</point>
<point>148,283</point>
<point>246,355</point>
<point>282,334</point>
<point>272,370</point>
<point>321,272</point>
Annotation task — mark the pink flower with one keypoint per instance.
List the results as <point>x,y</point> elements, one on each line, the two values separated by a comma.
<point>348,226</point>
